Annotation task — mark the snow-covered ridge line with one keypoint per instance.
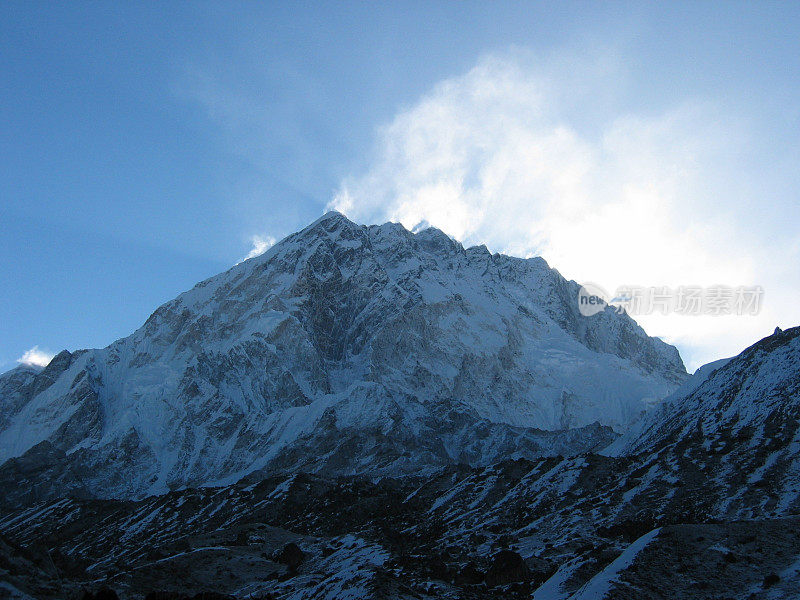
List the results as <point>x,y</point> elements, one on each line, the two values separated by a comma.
<point>741,394</point>
<point>344,348</point>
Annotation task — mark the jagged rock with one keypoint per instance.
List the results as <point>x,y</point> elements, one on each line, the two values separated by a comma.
<point>342,349</point>
<point>290,555</point>
<point>506,567</point>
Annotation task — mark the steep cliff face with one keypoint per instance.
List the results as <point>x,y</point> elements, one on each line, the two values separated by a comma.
<point>343,349</point>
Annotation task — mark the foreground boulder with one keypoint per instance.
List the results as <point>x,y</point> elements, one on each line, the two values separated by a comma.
<point>507,567</point>
<point>291,555</point>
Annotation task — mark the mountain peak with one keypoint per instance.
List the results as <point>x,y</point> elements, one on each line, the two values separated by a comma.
<point>332,225</point>
<point>330,221</point>
<point>344,348</point>
<point>433,238</point>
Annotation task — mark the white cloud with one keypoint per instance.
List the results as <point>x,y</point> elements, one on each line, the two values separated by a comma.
<point>516,154</point>
<point>261,243</point>
<point>37,357</point>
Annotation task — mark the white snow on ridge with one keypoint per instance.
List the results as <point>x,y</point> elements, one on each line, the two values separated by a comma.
<point>370,330</point>
<point>601,585</point>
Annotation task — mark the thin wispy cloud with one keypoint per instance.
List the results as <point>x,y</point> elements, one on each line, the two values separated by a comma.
<point>36,357</point>
<point>502,155</point>
<point>260,244</point>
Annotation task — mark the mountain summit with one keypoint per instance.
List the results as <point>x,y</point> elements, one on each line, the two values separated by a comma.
<point>366,412</point>
<point>343,349</point>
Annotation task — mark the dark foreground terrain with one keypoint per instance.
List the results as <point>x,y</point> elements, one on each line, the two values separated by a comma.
<point>518,530</point>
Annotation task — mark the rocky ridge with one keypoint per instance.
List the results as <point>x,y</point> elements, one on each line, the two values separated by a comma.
<point>344,349</point>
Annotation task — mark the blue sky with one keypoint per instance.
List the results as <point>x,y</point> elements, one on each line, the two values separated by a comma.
<point>144,147</point>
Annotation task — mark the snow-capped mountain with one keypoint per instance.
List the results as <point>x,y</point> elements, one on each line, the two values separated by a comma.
<point>701,503</point>
<point>735,425</point>
<point>390,415</point>
<point>342,349</point>
<point>753,396</point>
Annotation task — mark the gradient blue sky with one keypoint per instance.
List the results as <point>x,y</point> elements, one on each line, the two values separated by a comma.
<point>144,145</point>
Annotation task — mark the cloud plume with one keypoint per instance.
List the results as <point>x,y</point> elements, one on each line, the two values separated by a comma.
<point>502,155</point>
<point>260,243</point>
<point>36,357</point>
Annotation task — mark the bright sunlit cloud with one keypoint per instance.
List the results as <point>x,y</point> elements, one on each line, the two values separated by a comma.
<point>501,155</point>
<point>36,357</point>
<point>260,243</point>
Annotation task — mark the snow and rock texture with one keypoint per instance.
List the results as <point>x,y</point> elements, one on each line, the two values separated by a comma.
<point>670,514</point>
<point>344,349</point>
<point>736,427</point>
